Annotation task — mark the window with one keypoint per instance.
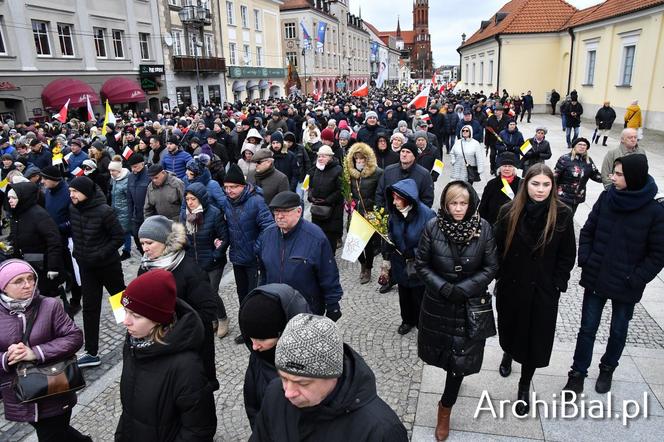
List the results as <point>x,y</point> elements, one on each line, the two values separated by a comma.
<point>3,48</point>
<point>247,55</point>
<point>628,65</point>
<point>194,45</point>
<point>100,41</point>
<point>243,16</point>
<point>177,42</point>
<point>481,79</point>
<point>230,13</point>
<point>209,45</point>
<point>144,43</point>
<point>257,20</point>
<point>66,40</point>
<point>467,73</point>
<point>183,96</point>
<point>173,2</point>
<point>118,43</point>
<point>292,58</point>
<point>259,56</point>
<point>590,67</point>
<point>472,75</point>
<point>289,30</point>
<point>40,34</point>
<point>490,72</point>
<point>214,92</point>
<point>232,57</point>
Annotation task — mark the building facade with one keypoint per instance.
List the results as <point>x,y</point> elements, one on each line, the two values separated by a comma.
<point>599,51</point>
<point>341,61</point>
<point>250,30</point>
<point>384,55</point>
<point>85,45</point>
<point>194,68</point>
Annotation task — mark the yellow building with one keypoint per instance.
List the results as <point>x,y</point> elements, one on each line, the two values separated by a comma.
<point>249,34</point>
<point>611,51</point>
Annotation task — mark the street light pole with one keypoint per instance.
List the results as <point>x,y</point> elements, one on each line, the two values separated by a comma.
<point>304,64</point>
<point>198,75</point>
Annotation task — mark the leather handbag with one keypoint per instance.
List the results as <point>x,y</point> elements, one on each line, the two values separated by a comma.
<point>37,381</point>
<point>473,174</point>
<point>320,212</point>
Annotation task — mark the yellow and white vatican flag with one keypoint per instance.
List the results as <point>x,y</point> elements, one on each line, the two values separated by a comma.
<point>507,190</point>
<point>438,166</point>
<point>117,307</point>
<point>359,234</point>
<point>525,147</point>
<point>305,183</point>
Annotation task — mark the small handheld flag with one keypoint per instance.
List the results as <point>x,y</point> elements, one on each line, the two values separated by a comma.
<point>305,183</point>
<point>438,166</point>
<point>507,190</point>
<point>116,305</point>
<point>525,147</point>
<point>127,152</point>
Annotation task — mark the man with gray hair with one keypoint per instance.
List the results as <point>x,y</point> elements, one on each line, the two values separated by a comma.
<point>316,369</point>
<point>629,145</point>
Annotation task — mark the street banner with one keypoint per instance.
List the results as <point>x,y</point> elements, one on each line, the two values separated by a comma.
<point>320,43</point>
<point>306,38</point>
<point>359,234</point>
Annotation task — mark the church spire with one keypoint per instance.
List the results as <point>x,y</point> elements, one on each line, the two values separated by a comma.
<point>398,27</point>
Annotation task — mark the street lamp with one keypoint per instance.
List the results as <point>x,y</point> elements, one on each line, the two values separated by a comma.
<point>195,17</point>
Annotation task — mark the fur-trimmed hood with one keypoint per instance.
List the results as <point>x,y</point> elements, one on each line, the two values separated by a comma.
<point>176,240</point>
<point>368,153</point>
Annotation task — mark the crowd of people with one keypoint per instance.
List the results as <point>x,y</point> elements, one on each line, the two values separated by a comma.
<point>190,190</point>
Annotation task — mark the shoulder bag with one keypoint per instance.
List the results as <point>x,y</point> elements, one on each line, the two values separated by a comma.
<point>480,323</point>
<point>473,174</point>
<point>35,381</point>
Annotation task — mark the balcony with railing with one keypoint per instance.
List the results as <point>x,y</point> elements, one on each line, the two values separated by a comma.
<point>195,15</point>
<point>205,64</point>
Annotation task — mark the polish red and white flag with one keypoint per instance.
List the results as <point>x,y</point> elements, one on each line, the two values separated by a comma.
<point>362,91</point>
<point>127,152</point>
<point>421,100</point>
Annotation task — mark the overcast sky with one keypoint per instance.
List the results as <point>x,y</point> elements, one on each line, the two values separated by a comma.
<point>448,19</point>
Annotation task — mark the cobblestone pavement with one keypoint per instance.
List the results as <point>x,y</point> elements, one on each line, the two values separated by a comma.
<point>369,324</point>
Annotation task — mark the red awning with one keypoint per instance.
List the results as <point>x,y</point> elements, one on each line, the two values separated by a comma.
<point>56,94</point>
<point>120,90</point>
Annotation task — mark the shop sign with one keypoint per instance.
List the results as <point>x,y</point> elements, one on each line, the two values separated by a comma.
<point>252,72</point>
<point>149,85</point>
<point>150,70</point>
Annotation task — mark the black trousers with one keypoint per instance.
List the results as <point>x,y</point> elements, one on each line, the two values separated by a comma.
<point>367,256</point>
<point>451,392</point>
<point>410,300</point>
<point>57,429</point>
<point>523,111</point>
<point>71,276</point>
<point>246,279</point>
<point>93,281</point>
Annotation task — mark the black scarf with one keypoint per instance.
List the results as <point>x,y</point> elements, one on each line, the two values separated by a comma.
<point>459,232</point>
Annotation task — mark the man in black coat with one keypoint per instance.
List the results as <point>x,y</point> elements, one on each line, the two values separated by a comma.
<point>406,168</point>
<point>325,392</point>
<point>97,236</point>
<point>137,188</point>
<point>555,98</point>
<point>527,105</point>
<point>621,249</point>
<point>495,124</point>
<point>604,119</point>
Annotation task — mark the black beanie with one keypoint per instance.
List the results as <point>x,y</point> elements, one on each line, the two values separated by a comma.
<point>84,185</point>
<point>235,175</point>
<point>635,169</point>
<point>411,147</point>
<point>262,317</point>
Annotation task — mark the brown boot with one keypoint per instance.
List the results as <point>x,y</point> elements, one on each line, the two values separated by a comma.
<point>443,424</point>
<point>365,275</point>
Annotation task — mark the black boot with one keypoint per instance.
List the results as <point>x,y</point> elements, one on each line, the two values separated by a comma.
<point>603,384</point>
<point>523,395</point>
<point>604,141</point>
<point>575,381</point>
<point>505,365</point>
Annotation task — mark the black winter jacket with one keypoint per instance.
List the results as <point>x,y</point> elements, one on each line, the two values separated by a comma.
<point>493,198</point>
<point>325,187</point>
<point>605,117</point>
<point>261,369</point>
<point>621,246</point>
<point>287,164</point>
<point>386,157</point>
<point>540,152</point>
<point>442,340</point>
<point>427,158</point>
<point>33,231</point>
<point>164,392</point>
<point>96,232</point>
<point>395,173</point>
<point>352,412</point>
<point>572,175</point>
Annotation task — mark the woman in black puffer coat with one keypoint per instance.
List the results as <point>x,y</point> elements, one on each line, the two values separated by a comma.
<point>325,190</point>
<point>164,391</point>
<point>457,231</point>
<point>35,236</point>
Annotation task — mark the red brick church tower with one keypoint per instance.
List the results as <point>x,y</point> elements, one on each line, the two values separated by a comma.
<point>421,60</point>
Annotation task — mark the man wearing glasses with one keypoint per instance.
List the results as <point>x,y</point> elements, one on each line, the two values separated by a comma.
<point>296,252</point>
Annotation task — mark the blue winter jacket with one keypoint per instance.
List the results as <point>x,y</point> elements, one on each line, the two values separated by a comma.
<point>119,201</point>
<point>75,161</point>
<point>201,243</point>
<point>215,194</point>
<point>247,217</point>
<point>137,187</point>
<point>303,259</point>
<point>405,232</point>
<point>176,163</point>
<point>57,205</point>
<point>621,246</point>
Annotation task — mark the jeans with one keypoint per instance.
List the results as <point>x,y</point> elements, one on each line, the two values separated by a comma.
<point>246,279</point>
<point>568,132</point>
<point>563,118</point>
<point>57,429</point>
<point>93,281</point>
<point>590,318</point>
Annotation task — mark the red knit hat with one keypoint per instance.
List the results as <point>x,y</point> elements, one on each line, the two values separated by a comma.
<point>152,295</point>
<point>327,135</point>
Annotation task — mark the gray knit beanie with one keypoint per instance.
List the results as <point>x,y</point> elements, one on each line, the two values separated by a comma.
<point>157,228</point>
<point>311,346</point>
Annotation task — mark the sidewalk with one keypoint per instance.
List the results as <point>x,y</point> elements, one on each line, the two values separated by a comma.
<point>369,325</point>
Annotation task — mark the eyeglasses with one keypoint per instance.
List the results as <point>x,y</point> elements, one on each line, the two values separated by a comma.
<point>465,130</point>
<point>283,212</point>
<point>30,280</point>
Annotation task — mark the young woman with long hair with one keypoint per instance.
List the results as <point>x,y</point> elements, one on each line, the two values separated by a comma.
<point>536,252</point>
